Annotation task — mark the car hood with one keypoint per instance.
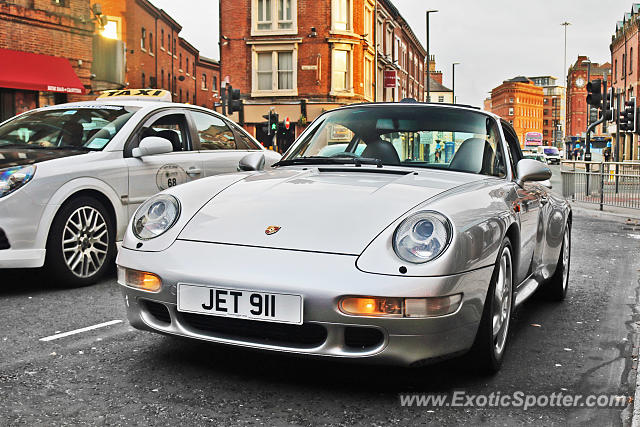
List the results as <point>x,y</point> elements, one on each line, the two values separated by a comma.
<point>319,209</point>
<point>18,156</point>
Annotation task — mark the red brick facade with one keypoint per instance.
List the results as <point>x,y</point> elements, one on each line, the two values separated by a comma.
<point>39,26</point>
<point>625,73</point>
<point>520,102</point>
<point>157,56</point>
<point>577,94</point>
<point>321,55</point>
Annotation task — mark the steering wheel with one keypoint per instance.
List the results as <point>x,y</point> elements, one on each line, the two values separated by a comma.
<point>345,154</point>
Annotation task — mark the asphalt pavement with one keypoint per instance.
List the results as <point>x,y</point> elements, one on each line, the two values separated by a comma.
<point>114,375</point>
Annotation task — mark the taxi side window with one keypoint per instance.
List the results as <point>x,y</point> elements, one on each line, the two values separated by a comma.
<point>172,127</point>
<point>243,141</point>
<point>515,154</point>
<point>214,134</point>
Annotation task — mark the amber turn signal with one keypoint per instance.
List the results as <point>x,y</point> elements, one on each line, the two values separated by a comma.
<point>362,306</point>
<point>139,279</point>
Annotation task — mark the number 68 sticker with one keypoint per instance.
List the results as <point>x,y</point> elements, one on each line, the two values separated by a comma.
<point>170,176</point>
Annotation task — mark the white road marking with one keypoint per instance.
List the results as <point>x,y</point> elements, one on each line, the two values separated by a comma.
<point>78,331</point>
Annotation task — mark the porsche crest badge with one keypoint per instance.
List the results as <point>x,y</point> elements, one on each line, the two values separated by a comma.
<point>272,229</point>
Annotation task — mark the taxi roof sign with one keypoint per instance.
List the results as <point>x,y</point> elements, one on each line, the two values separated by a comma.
<point>137,94</point>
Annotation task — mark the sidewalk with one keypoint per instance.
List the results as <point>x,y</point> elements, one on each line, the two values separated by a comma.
<point>593,210</point>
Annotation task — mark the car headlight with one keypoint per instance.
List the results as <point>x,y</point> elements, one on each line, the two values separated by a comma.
<point>15,177</point>
<point>155,216</point>
<point>422,237</point>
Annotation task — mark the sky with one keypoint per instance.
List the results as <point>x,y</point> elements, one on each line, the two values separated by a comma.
<point>494,40</point>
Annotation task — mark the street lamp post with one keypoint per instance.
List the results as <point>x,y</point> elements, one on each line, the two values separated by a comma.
<point>566,77</point>
<point>453,80</point>
<point>428,59</point>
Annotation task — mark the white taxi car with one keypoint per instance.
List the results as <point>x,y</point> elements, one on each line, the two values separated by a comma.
<point>71,175</point>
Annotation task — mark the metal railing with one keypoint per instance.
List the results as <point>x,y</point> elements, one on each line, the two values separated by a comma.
<point>603,183</point>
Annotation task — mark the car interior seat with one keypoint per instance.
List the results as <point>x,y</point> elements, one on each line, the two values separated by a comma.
<point>171,136</point>
<point>382,150</point>
<point>474,155</point>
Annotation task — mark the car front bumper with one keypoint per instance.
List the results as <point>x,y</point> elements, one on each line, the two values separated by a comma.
<point>20,217</point>
<point>322,279</point>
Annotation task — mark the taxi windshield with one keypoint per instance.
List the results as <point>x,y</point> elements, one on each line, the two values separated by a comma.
<point>415,136</point>
<point>82,127</point>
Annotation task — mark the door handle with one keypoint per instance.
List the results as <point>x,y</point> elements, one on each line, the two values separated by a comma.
<point>194,171</point>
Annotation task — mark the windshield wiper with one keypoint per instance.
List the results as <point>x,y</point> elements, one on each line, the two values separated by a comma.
<point>319,160</point>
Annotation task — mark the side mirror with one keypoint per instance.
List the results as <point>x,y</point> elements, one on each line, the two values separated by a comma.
<point>151,145</point>
<point>532,170</point>
<point>251,162</point>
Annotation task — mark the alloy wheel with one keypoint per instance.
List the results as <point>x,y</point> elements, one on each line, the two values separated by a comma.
<point>85,241</point>
<point>502,300</point>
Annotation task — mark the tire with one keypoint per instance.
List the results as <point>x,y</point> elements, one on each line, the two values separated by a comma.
<point>488,348</point>
<point>81,243</point>
<point>556,287</point>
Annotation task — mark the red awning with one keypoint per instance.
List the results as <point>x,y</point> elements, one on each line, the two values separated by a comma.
<point>31,71</point>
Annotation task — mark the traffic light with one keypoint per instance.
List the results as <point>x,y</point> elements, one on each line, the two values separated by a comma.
<point>628,116</point>
<point>272,122</point>
<point>608,110</point>
<point>234,103</point>
<point>594,98</point>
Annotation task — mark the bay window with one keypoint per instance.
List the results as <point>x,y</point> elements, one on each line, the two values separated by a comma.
<point>341,66</point>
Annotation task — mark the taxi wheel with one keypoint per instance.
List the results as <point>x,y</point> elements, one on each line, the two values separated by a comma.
<point>492,336</point>
<point>81,244</point>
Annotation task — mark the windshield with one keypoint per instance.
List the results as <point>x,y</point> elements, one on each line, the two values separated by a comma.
<point>79,127</point>
<point>553,151</point>
<point>416,136</point>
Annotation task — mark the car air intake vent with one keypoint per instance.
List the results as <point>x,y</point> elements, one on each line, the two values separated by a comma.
<point>4,242</point>
<point>158,311</point>
<point>362,338</point>
<point>307,335</point>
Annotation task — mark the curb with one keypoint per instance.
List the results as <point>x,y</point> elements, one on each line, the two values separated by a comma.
<point>594,213</point>
<point>635,415</point>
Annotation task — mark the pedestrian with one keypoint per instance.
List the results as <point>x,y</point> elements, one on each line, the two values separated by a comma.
<point>607,152</point>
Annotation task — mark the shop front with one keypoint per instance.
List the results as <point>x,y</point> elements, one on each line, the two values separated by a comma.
<point>29,80</point>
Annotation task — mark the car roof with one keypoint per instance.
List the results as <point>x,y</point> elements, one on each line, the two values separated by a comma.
<point>129,103</point>
<point>409,104</point>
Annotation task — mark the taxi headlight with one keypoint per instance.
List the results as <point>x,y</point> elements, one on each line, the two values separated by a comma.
<point>155,216</point>
<point>15,177</point>
<point>422,237</point>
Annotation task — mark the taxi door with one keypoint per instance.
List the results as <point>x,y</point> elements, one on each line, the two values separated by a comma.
<point>220,144</point>
<point>149,175</point>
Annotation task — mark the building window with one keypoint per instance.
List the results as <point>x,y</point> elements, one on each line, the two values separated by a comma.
<point>380,35</point>
<point>341,15</point>
<point>180,62</point>
<point>511,100</point>
<point>180,95</point>
<point>511,111</point>
<point>204,82</point>
<point>275,16</point>
<point>150,42</point>
<point>174,46</point>
<point>341,70</point>
<point>368,23</point>
<point>388,43</point>
<point>144,82</point>
<point>112,28</point>
<point>62,3</point>
<point>630,60</point>
<point>275,70</point>
<point>214,86</point>
<point>368,77</point>
<point>162,78</point>
<point>169,43</point>
<point>187,98</point>
<point>162,38</point>
<point>143,39</point>
<point>440,98</point>
<point>186,66</point>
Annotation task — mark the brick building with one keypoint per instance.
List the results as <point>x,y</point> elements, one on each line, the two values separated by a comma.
<point>302,57</point>
<point>554,110</point>
<point>577,111</point>
<point>156,56</point>
<point>520,102</point>
<point>45,52</point>
<point>625,75</point>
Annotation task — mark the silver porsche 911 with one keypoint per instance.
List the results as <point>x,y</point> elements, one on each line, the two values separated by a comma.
<point>397,233</point>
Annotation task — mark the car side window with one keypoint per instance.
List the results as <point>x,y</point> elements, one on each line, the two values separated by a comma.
<point>515,154</point>
<point>172,127</point>
<point>243,141</point>
<point>214,134</point>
